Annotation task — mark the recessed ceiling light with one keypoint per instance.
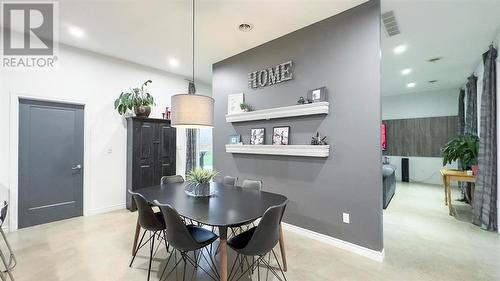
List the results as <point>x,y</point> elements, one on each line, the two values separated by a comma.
<point>435,59</point>
<point>411,85</point>
<point>245,27</point>
<point>173,62</point>
<point>399,49</point>
<point>76,32</point>
<point>406,71</point>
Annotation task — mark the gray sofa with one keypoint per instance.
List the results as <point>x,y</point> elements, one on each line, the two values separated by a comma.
<point>388,183</point>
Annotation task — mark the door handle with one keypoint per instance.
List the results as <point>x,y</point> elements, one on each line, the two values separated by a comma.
<point>77,167</point>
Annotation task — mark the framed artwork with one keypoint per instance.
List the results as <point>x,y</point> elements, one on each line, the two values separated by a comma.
<point>257,136</point>
<point>281,135</point>
<point>234,139</point>
<point>317,95</point>
<point>233,103</point>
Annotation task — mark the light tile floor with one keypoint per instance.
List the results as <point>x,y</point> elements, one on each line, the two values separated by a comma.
<point>421,243</point>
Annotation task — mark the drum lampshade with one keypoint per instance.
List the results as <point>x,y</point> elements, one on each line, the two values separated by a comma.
<point>192,111</point>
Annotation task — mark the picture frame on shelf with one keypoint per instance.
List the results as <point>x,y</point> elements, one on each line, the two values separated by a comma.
<point>235,139</point>
<point>281,135</point>
<point>257,136</point>
<point>233,103</point>
<point>317,95</point>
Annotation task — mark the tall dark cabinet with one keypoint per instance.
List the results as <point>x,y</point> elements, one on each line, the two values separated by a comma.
<point>151,147</point>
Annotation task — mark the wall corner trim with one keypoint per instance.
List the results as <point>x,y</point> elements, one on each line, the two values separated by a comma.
<point>363,251</point>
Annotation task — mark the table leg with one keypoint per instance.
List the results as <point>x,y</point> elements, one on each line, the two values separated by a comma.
<point>282,249</point>
<point>223,253</point>
<point>448,188</point>
<point>136,235</point>
<point>445,183</point>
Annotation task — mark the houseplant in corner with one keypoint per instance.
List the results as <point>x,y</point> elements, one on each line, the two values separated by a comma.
<point>138,99</point>
<point>464,148</point>
<point>199,182</point>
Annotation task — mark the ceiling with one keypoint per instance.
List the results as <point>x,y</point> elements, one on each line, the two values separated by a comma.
<point>459,31</point>
<point>151,32</point>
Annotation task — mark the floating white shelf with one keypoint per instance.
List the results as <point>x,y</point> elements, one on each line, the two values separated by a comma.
<point>289,150</point>
<point>280,112</point>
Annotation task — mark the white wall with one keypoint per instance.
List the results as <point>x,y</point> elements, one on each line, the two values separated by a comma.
<point>420,105</point>
<point>94,80</point>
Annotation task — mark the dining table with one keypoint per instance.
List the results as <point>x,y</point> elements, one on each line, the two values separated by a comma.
<point>229,206</point>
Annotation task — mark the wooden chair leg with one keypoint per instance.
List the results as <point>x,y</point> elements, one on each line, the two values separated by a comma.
<point>136,235</point>
<point>282,249</point>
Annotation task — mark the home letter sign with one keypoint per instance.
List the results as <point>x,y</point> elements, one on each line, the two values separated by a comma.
<point>270,76</point>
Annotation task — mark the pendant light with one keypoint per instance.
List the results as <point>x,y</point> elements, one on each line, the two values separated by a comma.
<point>191,110</point>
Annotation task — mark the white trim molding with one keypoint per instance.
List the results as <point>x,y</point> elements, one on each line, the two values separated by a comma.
<point>280,112</point>
<point>360,250</point>
<point>288,150</point>
<point>105,209</point>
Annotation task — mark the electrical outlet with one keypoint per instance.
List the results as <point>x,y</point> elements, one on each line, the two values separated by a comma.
<point>346,218</point>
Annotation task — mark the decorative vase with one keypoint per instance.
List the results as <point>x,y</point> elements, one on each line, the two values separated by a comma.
<point>142,111</point>
<point>199,189</point>
<point>474,170</point>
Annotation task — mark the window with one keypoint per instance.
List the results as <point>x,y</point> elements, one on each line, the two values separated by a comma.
<point>205,155</point>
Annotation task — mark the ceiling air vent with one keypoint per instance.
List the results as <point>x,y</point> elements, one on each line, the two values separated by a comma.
<point>390,23</point>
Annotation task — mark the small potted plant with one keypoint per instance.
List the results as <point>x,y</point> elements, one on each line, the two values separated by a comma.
<point>246,107</point>
<point>138,99</point>
<point>199,182</point>
<point>464,148</point>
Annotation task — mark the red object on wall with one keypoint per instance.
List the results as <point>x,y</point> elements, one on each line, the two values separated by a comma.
<point>384,142</point>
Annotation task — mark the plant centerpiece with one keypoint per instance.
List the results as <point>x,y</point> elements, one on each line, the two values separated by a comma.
<point>138,99</point>
<point>199,182</point>
<point>464,148</point>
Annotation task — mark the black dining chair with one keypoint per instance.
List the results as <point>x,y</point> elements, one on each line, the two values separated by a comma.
<point>228,180</point>
<point>252,184</point>
<point>184,239</point>
<point>151,222</point>
<point>9,265</point>
<point>259,242</point>
<point>172,179</point>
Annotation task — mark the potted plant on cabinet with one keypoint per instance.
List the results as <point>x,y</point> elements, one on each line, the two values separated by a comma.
<point>138,99</point>
<point>199,182</point>
<point>464,148</point>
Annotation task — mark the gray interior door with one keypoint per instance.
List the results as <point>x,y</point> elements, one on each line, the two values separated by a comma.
<point>50,162</point>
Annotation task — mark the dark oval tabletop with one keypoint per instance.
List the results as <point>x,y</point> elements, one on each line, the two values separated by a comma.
<point>229,205</point>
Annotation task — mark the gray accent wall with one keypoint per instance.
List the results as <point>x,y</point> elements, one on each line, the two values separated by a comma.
<point>342,54</point>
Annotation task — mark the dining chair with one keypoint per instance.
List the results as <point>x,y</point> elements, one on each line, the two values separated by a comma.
<point>228,180</point>
<point>259,242</point>
<point>172,179</point>
<point>184,239</point>
<point>151,222</point>
<point>12,258</point>
<point>252,184</point>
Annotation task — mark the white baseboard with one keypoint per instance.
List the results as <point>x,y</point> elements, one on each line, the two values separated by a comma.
<point>369,253</point>
<point>105,209</point>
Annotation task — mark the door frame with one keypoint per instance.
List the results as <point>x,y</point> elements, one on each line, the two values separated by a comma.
<point>15,97</point>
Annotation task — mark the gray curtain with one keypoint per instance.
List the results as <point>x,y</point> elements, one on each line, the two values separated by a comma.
<point>461,113</point>
<point>471,112</point>
<point>190,149</point>
<point>485,196</point>
<point>461,131</point>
